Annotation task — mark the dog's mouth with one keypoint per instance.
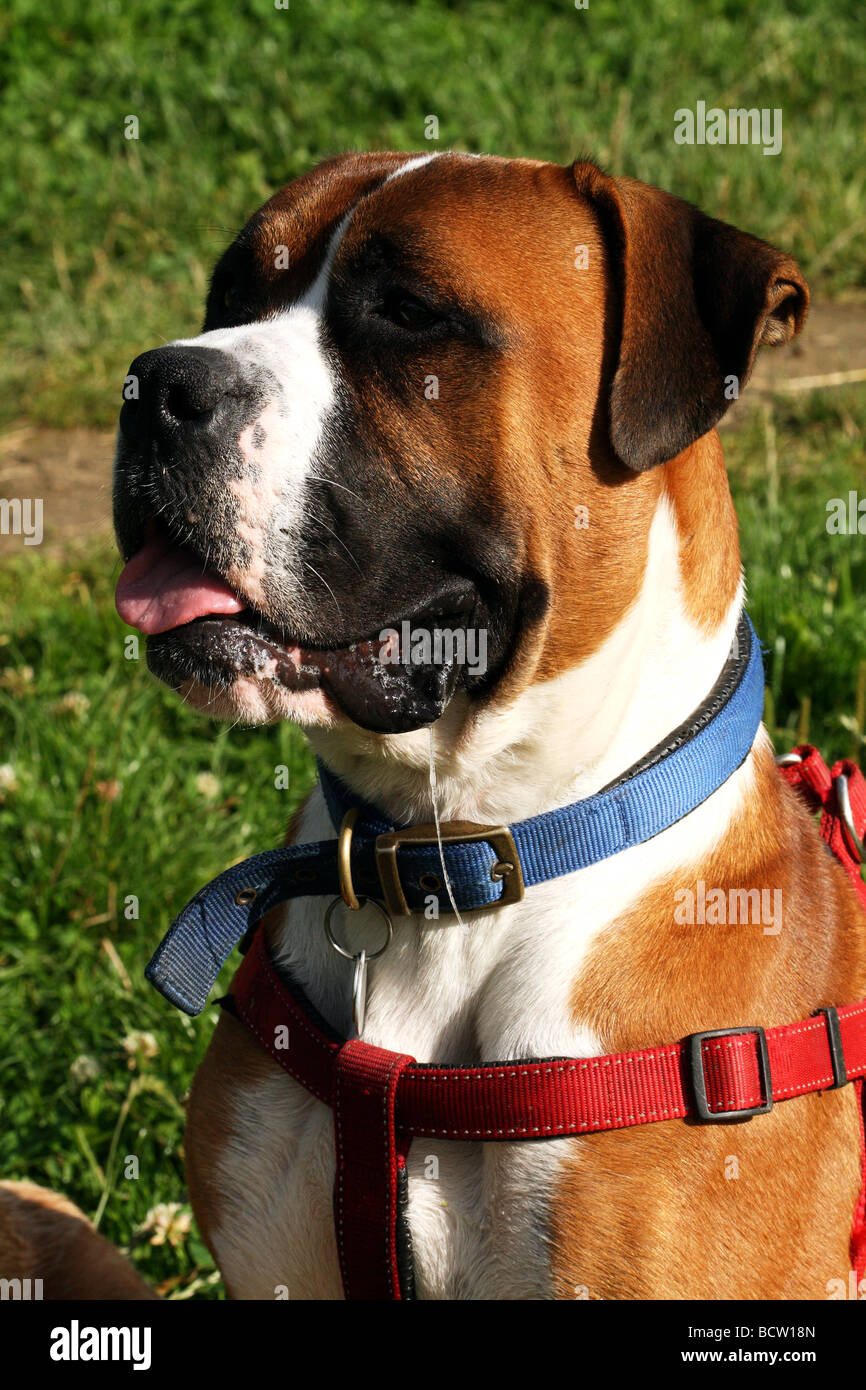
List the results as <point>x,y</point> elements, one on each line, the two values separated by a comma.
<point>398,678</point>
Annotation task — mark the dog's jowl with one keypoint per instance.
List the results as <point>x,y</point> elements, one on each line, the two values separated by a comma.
<point>406,387</point>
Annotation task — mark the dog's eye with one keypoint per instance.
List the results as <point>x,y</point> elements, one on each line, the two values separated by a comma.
<point>230,298</point>
<point>407,311</point>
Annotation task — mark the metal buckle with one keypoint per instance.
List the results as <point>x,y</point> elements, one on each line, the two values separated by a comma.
<point>846,814</point>
<point>507,867</point>
<point>699,1080</point>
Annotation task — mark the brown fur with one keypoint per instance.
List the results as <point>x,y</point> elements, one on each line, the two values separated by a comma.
<point>45,1236</point>
<point>632,1216</point>
<point>696,485</point>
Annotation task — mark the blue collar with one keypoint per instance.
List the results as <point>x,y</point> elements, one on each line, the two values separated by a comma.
<point>487,865</point>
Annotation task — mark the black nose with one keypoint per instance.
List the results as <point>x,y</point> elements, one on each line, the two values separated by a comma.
<point>174,389</point>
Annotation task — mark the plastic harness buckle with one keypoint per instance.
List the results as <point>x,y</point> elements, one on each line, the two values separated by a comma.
<point>699,1080</point>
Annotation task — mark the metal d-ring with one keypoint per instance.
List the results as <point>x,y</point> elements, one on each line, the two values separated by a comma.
<point>844,802</point>
<point>353,955</point>
<point>344,859</point>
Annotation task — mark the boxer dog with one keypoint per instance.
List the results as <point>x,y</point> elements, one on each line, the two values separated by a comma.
<point>482,393</point>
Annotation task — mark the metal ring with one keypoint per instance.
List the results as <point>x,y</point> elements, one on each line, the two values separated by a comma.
<point>349,955</point>
<point>245,896</point>
<point>844,802</point>
<point>789,759</point>
<point>344,859</point>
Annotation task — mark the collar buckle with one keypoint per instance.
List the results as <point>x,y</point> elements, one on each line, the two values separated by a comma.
<point>506,870</point>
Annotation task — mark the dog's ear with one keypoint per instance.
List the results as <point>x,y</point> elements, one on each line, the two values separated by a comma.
<point>697,299</point>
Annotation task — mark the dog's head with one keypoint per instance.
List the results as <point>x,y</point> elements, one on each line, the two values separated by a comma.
<point>359,490</point>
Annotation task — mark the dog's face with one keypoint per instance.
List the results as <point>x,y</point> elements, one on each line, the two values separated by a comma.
<point>355,493</point>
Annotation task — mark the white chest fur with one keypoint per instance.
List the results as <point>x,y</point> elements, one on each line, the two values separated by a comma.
<point>499,989</point>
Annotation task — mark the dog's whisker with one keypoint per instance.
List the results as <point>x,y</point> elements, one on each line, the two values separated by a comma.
<point>321,577</point>
<point>331,482</point>
<point>338,539</point>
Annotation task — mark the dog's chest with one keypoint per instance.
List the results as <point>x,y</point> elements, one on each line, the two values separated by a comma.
<point>501,988</point>
<point>496,989</point>
<point>478,1213</point>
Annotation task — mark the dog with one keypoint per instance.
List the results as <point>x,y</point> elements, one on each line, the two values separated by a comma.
<point>480,394</point>
<point>49,1249</point>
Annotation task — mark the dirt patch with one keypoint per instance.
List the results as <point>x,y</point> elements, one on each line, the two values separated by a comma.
<point>829,352</point>
<point>833,340</point>
<point>70,470</point>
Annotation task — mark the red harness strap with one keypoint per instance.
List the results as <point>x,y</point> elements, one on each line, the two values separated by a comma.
<point>820,787</point>
<point>818,784</point>
<point>369,1155</point>
<point>382,1100</point>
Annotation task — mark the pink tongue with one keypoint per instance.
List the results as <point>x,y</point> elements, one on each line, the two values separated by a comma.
<point>163,587</point>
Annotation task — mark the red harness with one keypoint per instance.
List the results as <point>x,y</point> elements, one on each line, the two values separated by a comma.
<point>382,1100</point>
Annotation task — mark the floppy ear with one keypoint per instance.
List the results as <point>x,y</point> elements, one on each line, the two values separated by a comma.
<point>697,299</point>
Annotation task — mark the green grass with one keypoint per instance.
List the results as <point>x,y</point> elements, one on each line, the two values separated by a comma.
<point>110,787</point>
<point>116,790</point>
<point>108,242</point>
<point>804,585</point>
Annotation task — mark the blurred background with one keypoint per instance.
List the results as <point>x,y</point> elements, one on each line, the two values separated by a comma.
<point>116,803</point>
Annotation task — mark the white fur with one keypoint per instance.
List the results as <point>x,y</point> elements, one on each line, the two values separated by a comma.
<point>288,348</point>
<point>411,164</point>
<point>500,989</point>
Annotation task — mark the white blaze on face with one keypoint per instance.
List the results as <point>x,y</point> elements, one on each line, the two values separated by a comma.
<point>278,446</point>
<point>267,509</point>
